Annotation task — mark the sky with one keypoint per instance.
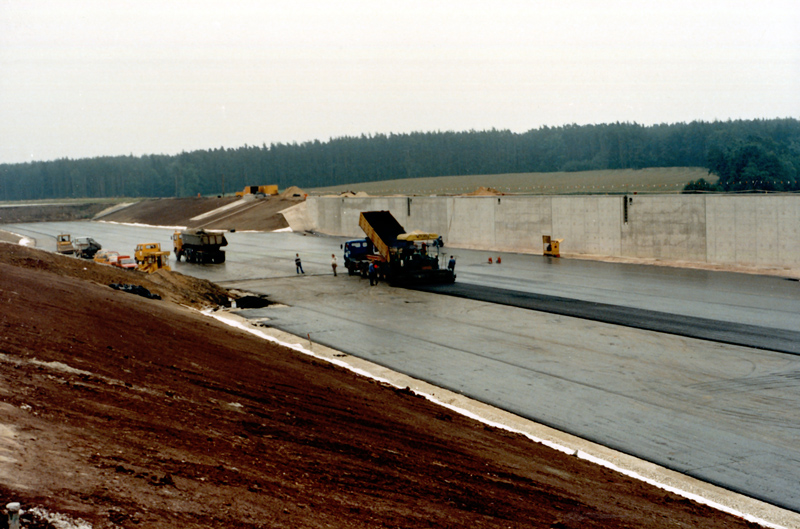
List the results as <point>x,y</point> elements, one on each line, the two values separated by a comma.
<point>90,78</point>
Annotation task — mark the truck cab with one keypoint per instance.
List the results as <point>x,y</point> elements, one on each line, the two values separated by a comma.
<point>356,254</point>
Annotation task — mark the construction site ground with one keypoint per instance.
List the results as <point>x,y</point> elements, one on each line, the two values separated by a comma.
<point>124,411</point>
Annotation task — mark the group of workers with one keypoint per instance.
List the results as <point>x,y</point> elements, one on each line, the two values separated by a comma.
<point>373,272</point>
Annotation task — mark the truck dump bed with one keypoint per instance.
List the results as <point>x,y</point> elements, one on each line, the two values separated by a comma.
<point>382,229</point>
<point>403,261</point>
<point>203,238</point>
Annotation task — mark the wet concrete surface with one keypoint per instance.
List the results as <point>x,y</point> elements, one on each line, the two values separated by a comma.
<point>723,413</point>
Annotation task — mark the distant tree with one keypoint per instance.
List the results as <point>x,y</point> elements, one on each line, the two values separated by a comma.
<point>701,185</point>
<point>754,154</point>
<point>752,166</point>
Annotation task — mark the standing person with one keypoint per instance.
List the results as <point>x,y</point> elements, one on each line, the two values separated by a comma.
<point>333,264</point>
<point>373,276</point>
<point>298,264</point>
<point>452,264</point>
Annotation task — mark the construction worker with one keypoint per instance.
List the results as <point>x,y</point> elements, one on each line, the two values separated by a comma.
<point>333,264</point>
<point>298,264</point>
<point>373,274</point>
<point>452,264</point>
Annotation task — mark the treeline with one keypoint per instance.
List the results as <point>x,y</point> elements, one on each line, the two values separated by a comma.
<point>736,151</point>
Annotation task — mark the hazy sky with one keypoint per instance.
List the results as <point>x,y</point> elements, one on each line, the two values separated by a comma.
<point>84,78</point>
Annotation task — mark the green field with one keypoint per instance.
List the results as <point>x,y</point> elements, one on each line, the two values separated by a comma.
<point>654,180</point>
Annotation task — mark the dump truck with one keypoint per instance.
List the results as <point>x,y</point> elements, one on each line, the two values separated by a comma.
<point>398,257</point>
<point>258,190</point>
<point>86,247</point>
<point>199,246</point>
<point>64,244</point>
<point>149,257</point>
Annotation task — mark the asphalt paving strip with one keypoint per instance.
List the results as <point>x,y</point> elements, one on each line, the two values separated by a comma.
<point>757,337</point>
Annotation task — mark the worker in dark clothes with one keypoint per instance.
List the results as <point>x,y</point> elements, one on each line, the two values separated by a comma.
<point>373,274</point>
<point>298,264</point>
<point>452,264</point>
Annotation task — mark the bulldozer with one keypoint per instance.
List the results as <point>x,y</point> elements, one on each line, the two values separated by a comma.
<point>150,258</point>
<point>64,244</point>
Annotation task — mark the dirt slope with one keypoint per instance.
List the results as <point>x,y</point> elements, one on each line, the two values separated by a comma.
<point>12,214</point>
<point>132,412</point>
<point>254,213</point>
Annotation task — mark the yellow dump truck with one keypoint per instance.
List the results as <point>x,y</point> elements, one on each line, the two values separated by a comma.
<point>258,190</point>
<point>149,257</point>
<point>199,246</point>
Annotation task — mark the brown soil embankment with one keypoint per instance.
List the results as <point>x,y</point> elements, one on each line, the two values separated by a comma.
<point>225,213</point>
<point>22,213</point>
<point>132,412</point>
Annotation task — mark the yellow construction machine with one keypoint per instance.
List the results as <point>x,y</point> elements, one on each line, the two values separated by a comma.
<point>149,257</point>
<point>64,244</point>
<point>258,190</point>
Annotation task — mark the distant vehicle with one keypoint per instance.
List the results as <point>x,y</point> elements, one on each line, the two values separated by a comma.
<point>108,257</point>
<point>125,262</point>
<point>397,256</point>
<point>355,256</point>
<point>199,246</point>
<point>64,244</point>
<point>86,247</point>
<point>258,190</point>
<point>149,257</point>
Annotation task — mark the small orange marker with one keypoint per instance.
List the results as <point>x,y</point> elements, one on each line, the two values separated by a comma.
<point>490,260</point>
<point>498,259</point>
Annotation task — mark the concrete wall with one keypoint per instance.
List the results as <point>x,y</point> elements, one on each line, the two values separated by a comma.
<point>761,230</point>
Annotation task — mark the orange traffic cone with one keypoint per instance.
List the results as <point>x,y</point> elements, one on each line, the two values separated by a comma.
<point>498,259</point>
<point>490,260</point>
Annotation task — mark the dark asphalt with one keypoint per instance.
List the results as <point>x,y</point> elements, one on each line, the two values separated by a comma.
<point>771,339</point>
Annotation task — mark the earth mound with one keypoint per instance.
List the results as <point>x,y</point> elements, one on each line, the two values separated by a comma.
<point>483,191</point>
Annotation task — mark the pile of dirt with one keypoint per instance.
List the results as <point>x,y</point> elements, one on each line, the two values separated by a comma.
<point>483,192</point>
<point>172,286</point>
<point>293,192</point>
<point>132,412</point>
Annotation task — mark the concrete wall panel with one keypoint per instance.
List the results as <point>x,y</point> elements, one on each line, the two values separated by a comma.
<point>721,222</point>
<point>759,230</point>
<point>788,231</point>
<point>588,224</point>
<point>472,223</point>
<point>520,223</point>
<point>766,241</point>
<point>665,227</point>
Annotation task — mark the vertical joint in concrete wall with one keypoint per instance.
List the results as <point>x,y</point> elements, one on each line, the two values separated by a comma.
<point>625,202</point>
<point>408,206</point>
